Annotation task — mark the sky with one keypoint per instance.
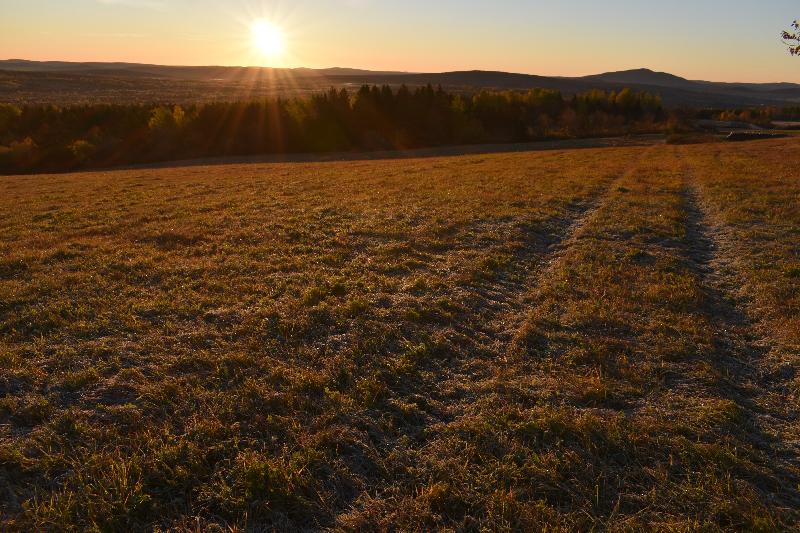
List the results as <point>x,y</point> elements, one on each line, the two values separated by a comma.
<point>717,40</point>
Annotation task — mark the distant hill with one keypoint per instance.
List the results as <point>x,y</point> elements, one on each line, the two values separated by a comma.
<point>177,72</point>
<point>24,81</point>
<point>644,76</point>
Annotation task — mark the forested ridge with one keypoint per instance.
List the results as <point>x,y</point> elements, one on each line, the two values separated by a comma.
<point>52,138</point>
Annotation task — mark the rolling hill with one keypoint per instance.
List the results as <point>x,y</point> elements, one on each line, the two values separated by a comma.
<point>24,81</point>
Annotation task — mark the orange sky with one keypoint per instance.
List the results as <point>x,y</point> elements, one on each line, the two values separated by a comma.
<point>710,40</point>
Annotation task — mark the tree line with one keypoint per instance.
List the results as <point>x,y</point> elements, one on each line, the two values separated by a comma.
<point>763,116</point>
<point>52,138</point>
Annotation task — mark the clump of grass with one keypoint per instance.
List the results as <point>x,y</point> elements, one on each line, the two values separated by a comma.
<point>354,307</point>
<point>313,295</point>
<point>80,379</point>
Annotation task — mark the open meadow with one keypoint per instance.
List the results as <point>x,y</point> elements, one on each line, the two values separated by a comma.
<point>561,340</point>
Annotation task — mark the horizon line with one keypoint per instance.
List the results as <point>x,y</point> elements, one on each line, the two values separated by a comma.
<point>392,71</point>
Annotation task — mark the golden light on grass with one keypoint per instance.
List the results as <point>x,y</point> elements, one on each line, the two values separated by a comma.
<point>268,39</point>
<point>282,347</point>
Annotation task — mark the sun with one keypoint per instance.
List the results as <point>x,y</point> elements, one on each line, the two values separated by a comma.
<point>268,39</point>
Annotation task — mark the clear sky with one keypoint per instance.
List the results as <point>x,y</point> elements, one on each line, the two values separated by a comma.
<point>719,40</point>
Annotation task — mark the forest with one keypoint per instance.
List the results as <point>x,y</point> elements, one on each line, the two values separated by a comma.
<point>41,138</point>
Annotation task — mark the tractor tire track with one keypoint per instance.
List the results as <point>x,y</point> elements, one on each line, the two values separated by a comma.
<point>454,390</point>
<point>502,307</point>
<point>740,351</point>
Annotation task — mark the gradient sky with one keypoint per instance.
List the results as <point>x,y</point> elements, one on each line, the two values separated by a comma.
<point>719,40</point>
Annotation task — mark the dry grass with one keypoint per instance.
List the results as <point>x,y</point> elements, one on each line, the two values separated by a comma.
<point>752,195</point>
<point>495,342</point>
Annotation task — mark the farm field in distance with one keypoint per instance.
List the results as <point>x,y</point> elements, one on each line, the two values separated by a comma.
<point>598,339</point>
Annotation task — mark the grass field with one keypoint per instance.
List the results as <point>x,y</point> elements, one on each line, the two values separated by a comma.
<point>602,339</point>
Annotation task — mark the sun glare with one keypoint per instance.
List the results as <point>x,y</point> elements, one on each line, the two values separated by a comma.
<point>268,39</point>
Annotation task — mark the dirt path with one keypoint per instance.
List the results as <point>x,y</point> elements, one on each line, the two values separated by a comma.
<point>457,390</point>
<point>740,351</point>
<point>502,306</point>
